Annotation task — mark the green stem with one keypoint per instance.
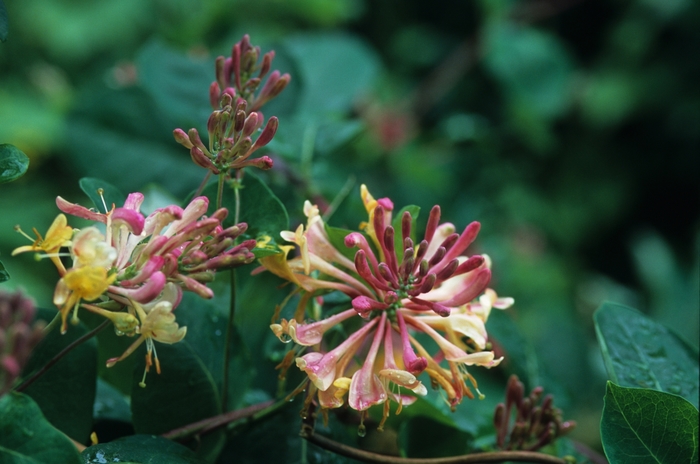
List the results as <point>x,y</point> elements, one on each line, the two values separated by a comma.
<point>228,341</point>
<point>366,456</point>
<point>220,191</point>
<point>32,378</point>
<point>53,324</point>
<point>200,189</point>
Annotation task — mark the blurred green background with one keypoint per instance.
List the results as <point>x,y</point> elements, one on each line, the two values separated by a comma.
<point>569,129</point>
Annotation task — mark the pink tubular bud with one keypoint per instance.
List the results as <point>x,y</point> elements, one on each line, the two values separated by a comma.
<point>214,94</point>
<point>268,133</point>
<point>269,84</point>
<point>365,305</point>
<point>248,60</point>
<point>406,220</point>
<point>200,159</point>
<point>239,121</point>
<point>219,66</point>
<point>236,64</point>
<point>227,97</point>
<point>447,271</point>
<point>266,63</point>
<point>440,310</point>
<point>251,85</point>
<point>213,123</point>
<point>197,287</point>
<point>193,135</point>
<point>182,139</point>
<point>251,123</point>
<point>469,265</point>
<point>264,163</point>
<point>432,225</point>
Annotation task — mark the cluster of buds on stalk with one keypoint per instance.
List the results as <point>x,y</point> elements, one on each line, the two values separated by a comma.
<point>140,263</point>
<point>427,288</point>
<point>535,425</point>
<point>236,117</point>
<point>18,336</point>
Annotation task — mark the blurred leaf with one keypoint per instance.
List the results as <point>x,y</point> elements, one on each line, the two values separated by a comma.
<point>111,194</point>
<point>27,438</point>
<point>13,163</point>
<point>519,354</point>
<point>147,449</point>
<point>206,322</point>
<point>335,69</point>
<point>4,275</point>
<point>183,393</point>
<point>638,352</point>
<point>110,403</point>
<point>66,391</point>
<point>647,426</point>
<point>444,440</point>
<point>4,22</point>
<point>178,84</point>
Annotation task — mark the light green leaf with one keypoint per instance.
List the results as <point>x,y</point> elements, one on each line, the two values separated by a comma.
<point>27,438</point>
<point>66,391</point>
<point>4,275</point>
<point>183,393</point>
<point>647,426</point>
<point>148,449</point>
<point>111,194</point>
<point>13,163</point>
<point>638,352</point>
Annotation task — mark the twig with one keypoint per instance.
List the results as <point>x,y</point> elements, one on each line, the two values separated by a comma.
<point>29,380</point>
<point>228,340</point>
<point>366,456</point>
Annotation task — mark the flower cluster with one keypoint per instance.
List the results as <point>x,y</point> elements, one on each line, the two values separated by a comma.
<point>236,117</point>
<point>139,263</point>
<point>18,336</point>
<point>399,287</point>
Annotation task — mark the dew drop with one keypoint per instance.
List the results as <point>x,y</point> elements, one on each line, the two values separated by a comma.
<point>118,332</point>
<point>217,333</point>
<point>361,430</point>
<point>285,338</point>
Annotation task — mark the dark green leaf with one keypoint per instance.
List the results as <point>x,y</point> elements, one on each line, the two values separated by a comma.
<point>520,358</point>
<point>4,275</point>
<point>27,438</point>
<point>444,440</point>
<point>4,23</point>
<point>111,194</point>
<point>183,393</point>
<point>146,449</point>
<point>646,426</point>
<point>13,163</point>
<point>638,352</point>
<point>66,391</point>
<point>110,403</point>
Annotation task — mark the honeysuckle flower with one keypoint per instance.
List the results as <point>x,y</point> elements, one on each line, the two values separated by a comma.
<point>399,287</point>
<point>157,324</point>
<point>58,236</point>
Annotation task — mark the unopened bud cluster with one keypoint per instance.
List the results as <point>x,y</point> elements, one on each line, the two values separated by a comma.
<point>536,424</point>
<point>236,119</point>
<point>18,336</point>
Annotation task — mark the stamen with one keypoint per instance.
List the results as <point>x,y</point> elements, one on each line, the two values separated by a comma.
<point>100,192</point>
<point>36,241</point>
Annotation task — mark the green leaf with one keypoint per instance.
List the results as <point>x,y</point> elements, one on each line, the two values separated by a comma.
<point>638,352</point>
<point>13,163</point>
<point>4,275</point>
<point>647,426</point>
<point>4,23</point>
<point>337,236</point>
<point>444,440</point>
<point>66,391</point>
<point>183,393</point>
<point>148,449</point>
<point>111,194</point>
<point>110,403</point>
<point>27,438</point>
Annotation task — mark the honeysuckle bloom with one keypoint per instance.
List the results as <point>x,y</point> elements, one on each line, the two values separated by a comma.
<point>156,324</point>
<point>400,287</point>
<point>58,236</point>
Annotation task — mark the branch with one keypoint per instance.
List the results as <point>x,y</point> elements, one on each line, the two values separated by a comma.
<point>366,456</point>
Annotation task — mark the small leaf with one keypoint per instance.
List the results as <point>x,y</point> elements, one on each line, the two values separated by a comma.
<point>13,163</point>
<point>646,426</point>
<point>66,391</point>
<point>638,352</point>
<point>27,438</point>
<point>4,23</point>
<point>149,449</point>
<point>111,194</point>
<point>183,393</point>
<point>4,275</point>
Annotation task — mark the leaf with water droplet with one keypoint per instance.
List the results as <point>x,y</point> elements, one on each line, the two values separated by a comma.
<point>13,162</point>
<point>640,353</point>
<point>645,426</point>
<point>140,448</point>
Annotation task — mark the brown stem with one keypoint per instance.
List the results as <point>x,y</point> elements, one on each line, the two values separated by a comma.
<point>212,423</point>
<point>366,456</point>
<point>32,378</point>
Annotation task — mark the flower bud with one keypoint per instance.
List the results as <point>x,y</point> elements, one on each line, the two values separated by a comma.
<point>182,139</point>
<point>266,63</point>
<point>214,95</point>
<point>251,123</point>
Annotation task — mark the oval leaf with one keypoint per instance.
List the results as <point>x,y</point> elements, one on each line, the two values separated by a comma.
<point>646,426</point>
<point>140,448</point>
<point>111,194</point>
<point>640,353</point>
<point>27,438</point>
<point>13,163</point>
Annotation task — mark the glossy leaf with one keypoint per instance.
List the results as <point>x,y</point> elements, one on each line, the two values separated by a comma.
<point>4,275</point>
<point>638,352</point>
<point>66,391</point>
<point>13,163</point>
<point>4,23</point>
<point>647,426</point>
<point>183,393</point>
<point>26,437</point>
<point>111,194</point>
<point>149,449</point>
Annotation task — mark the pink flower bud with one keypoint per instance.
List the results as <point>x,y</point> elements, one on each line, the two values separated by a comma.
<point>219,65</point>
<point>251,123</point>
<point>239,121</point>
<point>200,159</point>
<point>182,139</point>
<point>266,63</point>
<point>214,94</point>
<point>268,133</point>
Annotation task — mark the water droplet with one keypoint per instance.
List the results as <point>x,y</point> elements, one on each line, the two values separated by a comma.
<point>285,338</point>
<point>361,430</point>
<point>118,332</point>
<point>674,389</point>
